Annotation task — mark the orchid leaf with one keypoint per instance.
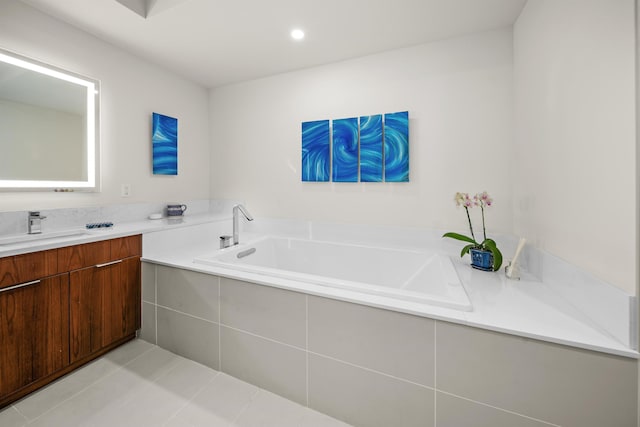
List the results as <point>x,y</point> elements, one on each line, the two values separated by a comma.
<point>497,255</point>
<point>460,237</point>
<point>466,250</point>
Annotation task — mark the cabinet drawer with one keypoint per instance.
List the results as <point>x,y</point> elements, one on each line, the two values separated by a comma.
<point>126,247</point>
<point>24,268</point>
<point>80,256</point>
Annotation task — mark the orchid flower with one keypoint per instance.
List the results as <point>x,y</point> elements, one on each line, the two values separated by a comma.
<point>483,200</point>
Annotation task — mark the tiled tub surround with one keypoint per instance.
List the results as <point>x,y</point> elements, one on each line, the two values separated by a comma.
<point>530,308</point>
<point>558,302</point>
<point>373,367</point>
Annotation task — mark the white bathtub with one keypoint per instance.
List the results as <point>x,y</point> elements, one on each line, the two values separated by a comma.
<point>417,276</point>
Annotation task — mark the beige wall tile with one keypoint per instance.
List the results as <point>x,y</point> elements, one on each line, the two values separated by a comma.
<point>189,292</point>
<point>549,382</point>
<point>452,411</point>
<point>148,282</point>
<point>187,336</point>
<point>148,331</point>
<point>276,367</point>
<point>263,310</point>
<point>366,398</point>
<point>394,343</point>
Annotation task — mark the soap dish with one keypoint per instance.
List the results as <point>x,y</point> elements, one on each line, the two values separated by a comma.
<point>93,225</point>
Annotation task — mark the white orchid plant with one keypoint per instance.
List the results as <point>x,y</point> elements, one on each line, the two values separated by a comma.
<point>481,200</point>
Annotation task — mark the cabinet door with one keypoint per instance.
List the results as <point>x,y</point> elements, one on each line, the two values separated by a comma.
<point>105,305</point>
<point>86,295</point>
<point>34,332</point>
<point>121,303</point>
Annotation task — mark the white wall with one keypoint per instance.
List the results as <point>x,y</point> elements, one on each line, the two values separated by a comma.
<point>460,101</point>
<point>131,89</point>
<point>575,180</point>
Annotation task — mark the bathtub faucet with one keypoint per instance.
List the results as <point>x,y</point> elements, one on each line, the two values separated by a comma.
<point>236,231</point>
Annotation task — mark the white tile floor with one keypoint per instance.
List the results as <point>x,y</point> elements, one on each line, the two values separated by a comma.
<point>140,384</point>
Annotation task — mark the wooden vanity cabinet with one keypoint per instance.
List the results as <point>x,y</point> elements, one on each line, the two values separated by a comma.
<point>104,293</point>
<point>63,307</point>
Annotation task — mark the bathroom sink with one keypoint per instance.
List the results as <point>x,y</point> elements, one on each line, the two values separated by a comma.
<point>26,238</point>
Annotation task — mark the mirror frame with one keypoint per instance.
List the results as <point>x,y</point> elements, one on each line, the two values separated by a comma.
<point>92,137</point>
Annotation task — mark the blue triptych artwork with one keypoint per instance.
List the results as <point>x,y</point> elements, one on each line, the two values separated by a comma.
<point>396,147</point>
<point>368,149</point>
<point>345,150</point>
<point>164,139</point>
<point>371,148</point>
<point>315,151</point>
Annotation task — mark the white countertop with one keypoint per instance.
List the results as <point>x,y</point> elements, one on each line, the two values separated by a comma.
<point>527,308</point>
<point>95,235</point>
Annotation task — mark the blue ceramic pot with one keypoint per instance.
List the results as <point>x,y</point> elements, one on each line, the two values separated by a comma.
<point>481,259</point>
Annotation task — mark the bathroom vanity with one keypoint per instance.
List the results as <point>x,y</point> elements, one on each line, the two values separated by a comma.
<point>61,308</point>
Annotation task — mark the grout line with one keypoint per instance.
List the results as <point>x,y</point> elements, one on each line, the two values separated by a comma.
<point>327,357</point>
<point>187,314</point>
<point>373,371</point>
<point>191,399</point>
<point>155,308</point>
<point>264,338</point>
<point>21,414</point>
<point>435,373</point>
<point>499,409</point>
<point>163,371</point>
<point>306,344</point>
<point>246,406</point>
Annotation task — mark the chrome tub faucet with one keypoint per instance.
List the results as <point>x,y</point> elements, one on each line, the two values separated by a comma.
<point>247,215</point>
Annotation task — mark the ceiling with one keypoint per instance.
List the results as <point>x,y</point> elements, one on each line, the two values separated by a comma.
<point>218,42</point>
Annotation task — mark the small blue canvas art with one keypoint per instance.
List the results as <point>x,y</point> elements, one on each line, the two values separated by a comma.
<point>165,145</point>
<point>396,147</point>
<point>345,150</point>
<point>371,148</point>
<point>315,151</point>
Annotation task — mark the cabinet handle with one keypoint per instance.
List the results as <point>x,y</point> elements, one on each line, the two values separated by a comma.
<point>108,263</point>
<point>21,285</point>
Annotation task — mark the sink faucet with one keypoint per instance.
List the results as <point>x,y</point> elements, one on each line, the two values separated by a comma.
<point>35,222</point>
<point>247,215</point>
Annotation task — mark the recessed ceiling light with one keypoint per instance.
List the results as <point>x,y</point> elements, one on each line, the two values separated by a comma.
<point>297,34</point>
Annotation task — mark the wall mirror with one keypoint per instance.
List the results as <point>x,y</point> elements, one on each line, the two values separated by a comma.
<point>49,123</point>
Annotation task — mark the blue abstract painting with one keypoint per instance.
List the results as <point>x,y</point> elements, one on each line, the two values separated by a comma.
<point>345,150</point>
<point>371,148</point>
<point>315,151</point>
<point>396,147</point>
<point>164,139</point>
